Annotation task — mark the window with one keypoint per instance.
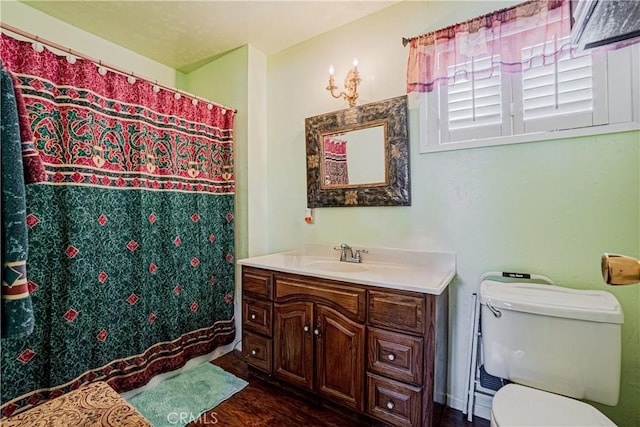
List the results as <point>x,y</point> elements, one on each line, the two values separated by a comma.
<point>511,76</point>
<point>554,97</point>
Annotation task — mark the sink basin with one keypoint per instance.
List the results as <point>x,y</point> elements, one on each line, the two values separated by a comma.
<point>337,266</point>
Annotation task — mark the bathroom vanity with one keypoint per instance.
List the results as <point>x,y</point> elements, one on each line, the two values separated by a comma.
<point>370,336</point>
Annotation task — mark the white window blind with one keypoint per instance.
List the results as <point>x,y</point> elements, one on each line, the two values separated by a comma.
<point>561,87</point>
<point>475,101</point>
<point>566,94</point>
<point>472,104</point>
<point>556,95</point>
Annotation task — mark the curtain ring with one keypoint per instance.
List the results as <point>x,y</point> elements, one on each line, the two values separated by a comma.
<point>101,69</point>
<point>37,46</point>
<point>71,59</point>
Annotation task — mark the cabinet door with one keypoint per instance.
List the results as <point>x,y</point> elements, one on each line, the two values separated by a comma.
<point>339,358</point>
<point>293,343</point>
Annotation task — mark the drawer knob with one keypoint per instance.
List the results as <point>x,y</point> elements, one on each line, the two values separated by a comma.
<point>254,352</point>
<point>253,317</point>
<point>391,356</point>
<point>316,331</point>
<point>390,405</point>
<point>306,329</point>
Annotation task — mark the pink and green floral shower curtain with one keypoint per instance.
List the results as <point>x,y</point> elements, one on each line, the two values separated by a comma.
<point>131,236</point>
<point>334,150</point>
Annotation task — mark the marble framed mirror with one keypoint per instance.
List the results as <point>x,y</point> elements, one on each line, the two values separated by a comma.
<point>359,156</point>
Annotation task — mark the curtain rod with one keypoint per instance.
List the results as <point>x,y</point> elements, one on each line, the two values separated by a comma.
<point>111,67</point>
<point>554,3</point>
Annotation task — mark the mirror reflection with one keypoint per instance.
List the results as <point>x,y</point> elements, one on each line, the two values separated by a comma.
<point>355,157</point>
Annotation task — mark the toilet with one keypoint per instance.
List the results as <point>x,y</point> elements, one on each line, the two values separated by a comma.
<point>555,345</point>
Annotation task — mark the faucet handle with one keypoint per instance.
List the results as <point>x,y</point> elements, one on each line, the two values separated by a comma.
<point>357,256</point>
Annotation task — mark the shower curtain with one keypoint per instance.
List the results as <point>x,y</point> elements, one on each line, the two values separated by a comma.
<point>335,160</point>
<point>131,236</point>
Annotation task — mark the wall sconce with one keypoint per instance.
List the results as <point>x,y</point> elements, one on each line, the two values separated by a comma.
<point>351,83</point>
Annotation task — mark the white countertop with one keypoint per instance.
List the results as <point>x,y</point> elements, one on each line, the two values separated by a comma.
<point>409,270</point>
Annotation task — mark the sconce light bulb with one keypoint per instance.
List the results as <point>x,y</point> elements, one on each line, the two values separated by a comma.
<point>355,63</point>
<point>331,70</point>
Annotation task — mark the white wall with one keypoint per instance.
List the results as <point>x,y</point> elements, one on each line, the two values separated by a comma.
<point>547,207</point>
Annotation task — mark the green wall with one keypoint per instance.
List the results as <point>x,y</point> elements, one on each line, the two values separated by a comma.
<point>224,81</point>
<point>551,207</point>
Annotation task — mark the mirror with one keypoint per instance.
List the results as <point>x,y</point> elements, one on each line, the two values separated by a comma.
<point>359,156</point>
<point>355,157</point>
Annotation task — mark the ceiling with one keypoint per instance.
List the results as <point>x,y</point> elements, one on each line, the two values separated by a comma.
<point>187,34</point>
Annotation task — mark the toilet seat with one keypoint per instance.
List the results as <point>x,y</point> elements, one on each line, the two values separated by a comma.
<point>516,405</point>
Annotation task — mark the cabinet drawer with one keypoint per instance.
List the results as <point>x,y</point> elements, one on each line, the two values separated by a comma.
<point>258,283</point>
<point>404,313</point>
<point>258,351</point>
<point>257,316</point>
<point>393,402</point>
<point>395,355</point>
<point>347,299</point>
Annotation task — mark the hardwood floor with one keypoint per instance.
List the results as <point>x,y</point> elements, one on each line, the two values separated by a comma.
<point>262,404</point>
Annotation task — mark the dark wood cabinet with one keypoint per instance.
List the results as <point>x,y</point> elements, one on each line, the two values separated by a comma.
<point>378,351</point>
<point>257,283</point>
<point>339,358</point>
<point>258,351</point>
<point>257,318</point>
<point>257,315</point>
<point>395,355</point>
<point>394,402</point>
<point>325,354</point>
<point>293,360</point>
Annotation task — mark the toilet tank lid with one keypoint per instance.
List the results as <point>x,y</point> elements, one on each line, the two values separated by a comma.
<point>551,300</point>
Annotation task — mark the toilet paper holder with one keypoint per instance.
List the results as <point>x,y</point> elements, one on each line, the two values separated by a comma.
<point>620,269</point>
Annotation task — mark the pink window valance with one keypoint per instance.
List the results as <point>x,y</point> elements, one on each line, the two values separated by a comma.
<point>441,56</point>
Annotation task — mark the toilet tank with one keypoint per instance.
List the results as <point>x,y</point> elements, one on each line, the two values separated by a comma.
<point>562,340</point>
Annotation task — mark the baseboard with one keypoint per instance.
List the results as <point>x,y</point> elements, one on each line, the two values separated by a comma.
<point>481,407</point>
<point>455,403</point>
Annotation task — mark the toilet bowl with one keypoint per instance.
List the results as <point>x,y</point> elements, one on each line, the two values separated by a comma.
<point>519,406</point>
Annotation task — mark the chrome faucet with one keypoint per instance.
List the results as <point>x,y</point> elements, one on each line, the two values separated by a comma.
<point>349,254</point>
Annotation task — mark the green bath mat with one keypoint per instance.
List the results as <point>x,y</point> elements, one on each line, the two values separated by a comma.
<point>177,401</point>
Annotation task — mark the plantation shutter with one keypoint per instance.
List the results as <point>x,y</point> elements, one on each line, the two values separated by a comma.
<point>472,104</point>
<point>556,95</point>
